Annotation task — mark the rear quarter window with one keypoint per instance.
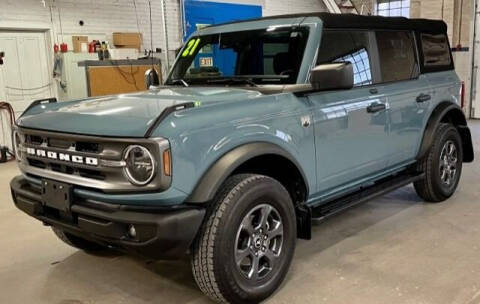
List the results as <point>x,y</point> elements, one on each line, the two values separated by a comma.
<point>436,50</point>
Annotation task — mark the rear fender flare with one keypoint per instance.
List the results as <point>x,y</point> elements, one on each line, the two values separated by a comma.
<point>455,113</point>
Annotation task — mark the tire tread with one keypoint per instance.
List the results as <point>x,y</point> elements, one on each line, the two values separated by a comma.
<point>203,247</point>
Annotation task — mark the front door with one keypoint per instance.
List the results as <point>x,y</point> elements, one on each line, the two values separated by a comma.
<point>351,126</point>
<point>349,138</point>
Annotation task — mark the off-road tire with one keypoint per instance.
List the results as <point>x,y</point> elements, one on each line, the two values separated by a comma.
<point>77,242</point>
<point>431,188</point>
<point>213,261</point>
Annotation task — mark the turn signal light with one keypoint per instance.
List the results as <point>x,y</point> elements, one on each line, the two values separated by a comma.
<point>167,166</point>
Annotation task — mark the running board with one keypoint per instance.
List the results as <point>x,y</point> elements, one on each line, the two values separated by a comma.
<point>306,216</point>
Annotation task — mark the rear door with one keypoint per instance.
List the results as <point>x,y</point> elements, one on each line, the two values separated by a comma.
<point>407,93</point>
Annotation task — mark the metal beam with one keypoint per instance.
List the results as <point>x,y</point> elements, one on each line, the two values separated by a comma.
<point>332,6</point>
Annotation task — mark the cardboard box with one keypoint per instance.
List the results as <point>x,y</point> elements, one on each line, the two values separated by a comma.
<point>123,53</point>
<point>127,40</point>
<point>78,41</point>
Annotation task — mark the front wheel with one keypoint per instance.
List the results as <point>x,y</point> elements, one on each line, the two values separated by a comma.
<point>442,165</point>
<point>246,244</point>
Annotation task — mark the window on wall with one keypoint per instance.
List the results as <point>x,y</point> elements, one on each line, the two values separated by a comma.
<point>391,8</point>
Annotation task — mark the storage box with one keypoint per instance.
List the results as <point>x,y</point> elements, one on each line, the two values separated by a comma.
<point>78,41</point>
<point>123,53</point>
<point>127,40</point>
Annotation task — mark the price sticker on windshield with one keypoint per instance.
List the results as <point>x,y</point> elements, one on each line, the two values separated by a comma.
<point>206,61</point>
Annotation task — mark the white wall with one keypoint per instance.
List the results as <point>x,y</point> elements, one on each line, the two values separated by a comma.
<point>102,17</point>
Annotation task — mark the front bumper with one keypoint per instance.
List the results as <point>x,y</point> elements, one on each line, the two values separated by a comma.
<point>162,233</point>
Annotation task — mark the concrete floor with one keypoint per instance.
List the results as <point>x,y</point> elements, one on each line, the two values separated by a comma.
<point>395,249</point>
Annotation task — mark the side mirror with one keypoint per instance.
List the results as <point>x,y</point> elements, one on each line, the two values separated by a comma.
<point>151,78</point>
<point>332,76</point>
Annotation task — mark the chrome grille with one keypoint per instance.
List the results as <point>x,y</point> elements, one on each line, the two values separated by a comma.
<point>88,161</point>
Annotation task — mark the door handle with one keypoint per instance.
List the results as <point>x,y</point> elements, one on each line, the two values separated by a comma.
<point>423,98</point>
<point>376,107</point>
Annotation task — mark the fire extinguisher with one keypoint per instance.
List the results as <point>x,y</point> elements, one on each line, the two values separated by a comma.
<point>63,47</point>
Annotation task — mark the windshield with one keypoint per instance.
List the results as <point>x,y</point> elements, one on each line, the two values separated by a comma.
<point>249,57</point>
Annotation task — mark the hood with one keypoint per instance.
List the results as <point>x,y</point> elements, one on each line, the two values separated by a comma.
<point>127,115</point>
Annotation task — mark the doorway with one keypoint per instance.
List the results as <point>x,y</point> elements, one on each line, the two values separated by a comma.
<point>25,74</point>
<point>475,109</point>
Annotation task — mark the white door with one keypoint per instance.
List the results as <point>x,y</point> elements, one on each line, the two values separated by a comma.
<point>26,73</point>
<point>476,69</point>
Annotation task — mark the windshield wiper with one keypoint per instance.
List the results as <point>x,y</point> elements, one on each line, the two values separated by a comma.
<point>181,81</point>
<point>234,80</point>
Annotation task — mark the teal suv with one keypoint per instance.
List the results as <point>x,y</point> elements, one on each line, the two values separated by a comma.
<point>262,128</point>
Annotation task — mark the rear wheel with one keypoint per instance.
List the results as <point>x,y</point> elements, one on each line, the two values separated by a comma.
<point>442,166</point>
<point>246,243</point>
<point>77,242</point>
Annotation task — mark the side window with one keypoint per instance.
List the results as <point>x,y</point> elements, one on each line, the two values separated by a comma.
<point>270,52</point>
<point>397,55</point>
<point>436,51</point>
<point>348,46</point>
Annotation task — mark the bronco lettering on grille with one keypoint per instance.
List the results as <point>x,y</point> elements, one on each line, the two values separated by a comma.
<point>77,159</point>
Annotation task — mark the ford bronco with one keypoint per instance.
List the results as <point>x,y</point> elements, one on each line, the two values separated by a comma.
<point>261,128</point>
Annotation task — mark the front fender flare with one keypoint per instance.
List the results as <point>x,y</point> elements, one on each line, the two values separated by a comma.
<point>214,177</point>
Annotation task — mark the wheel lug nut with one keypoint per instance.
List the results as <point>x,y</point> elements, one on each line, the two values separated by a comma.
<point>261,230</point>
<point>265,237</point>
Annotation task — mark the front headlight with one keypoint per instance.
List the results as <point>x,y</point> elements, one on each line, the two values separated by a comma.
<point>17,140</point>
<point>139,165</point>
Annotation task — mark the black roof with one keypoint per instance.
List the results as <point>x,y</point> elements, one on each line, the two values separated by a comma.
<point>354,21</point>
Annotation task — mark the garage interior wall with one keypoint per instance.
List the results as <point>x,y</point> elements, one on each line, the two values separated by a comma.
<point>102,18</point>
<point>458,14</point>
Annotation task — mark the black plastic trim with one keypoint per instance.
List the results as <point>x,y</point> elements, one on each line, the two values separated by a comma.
<point>162,234</point>
<point>214,177</point>
<point>434,121</point>
<point>165,113</point>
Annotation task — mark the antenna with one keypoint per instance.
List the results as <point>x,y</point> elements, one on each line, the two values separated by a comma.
<point>152,75</point>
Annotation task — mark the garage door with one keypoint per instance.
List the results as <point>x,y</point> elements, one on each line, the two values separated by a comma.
<point>476,72</point>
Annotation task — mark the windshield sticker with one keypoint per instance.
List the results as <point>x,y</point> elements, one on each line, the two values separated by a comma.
<point>195,47</point>
<point>191,47</point>
<point>206,61</point>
